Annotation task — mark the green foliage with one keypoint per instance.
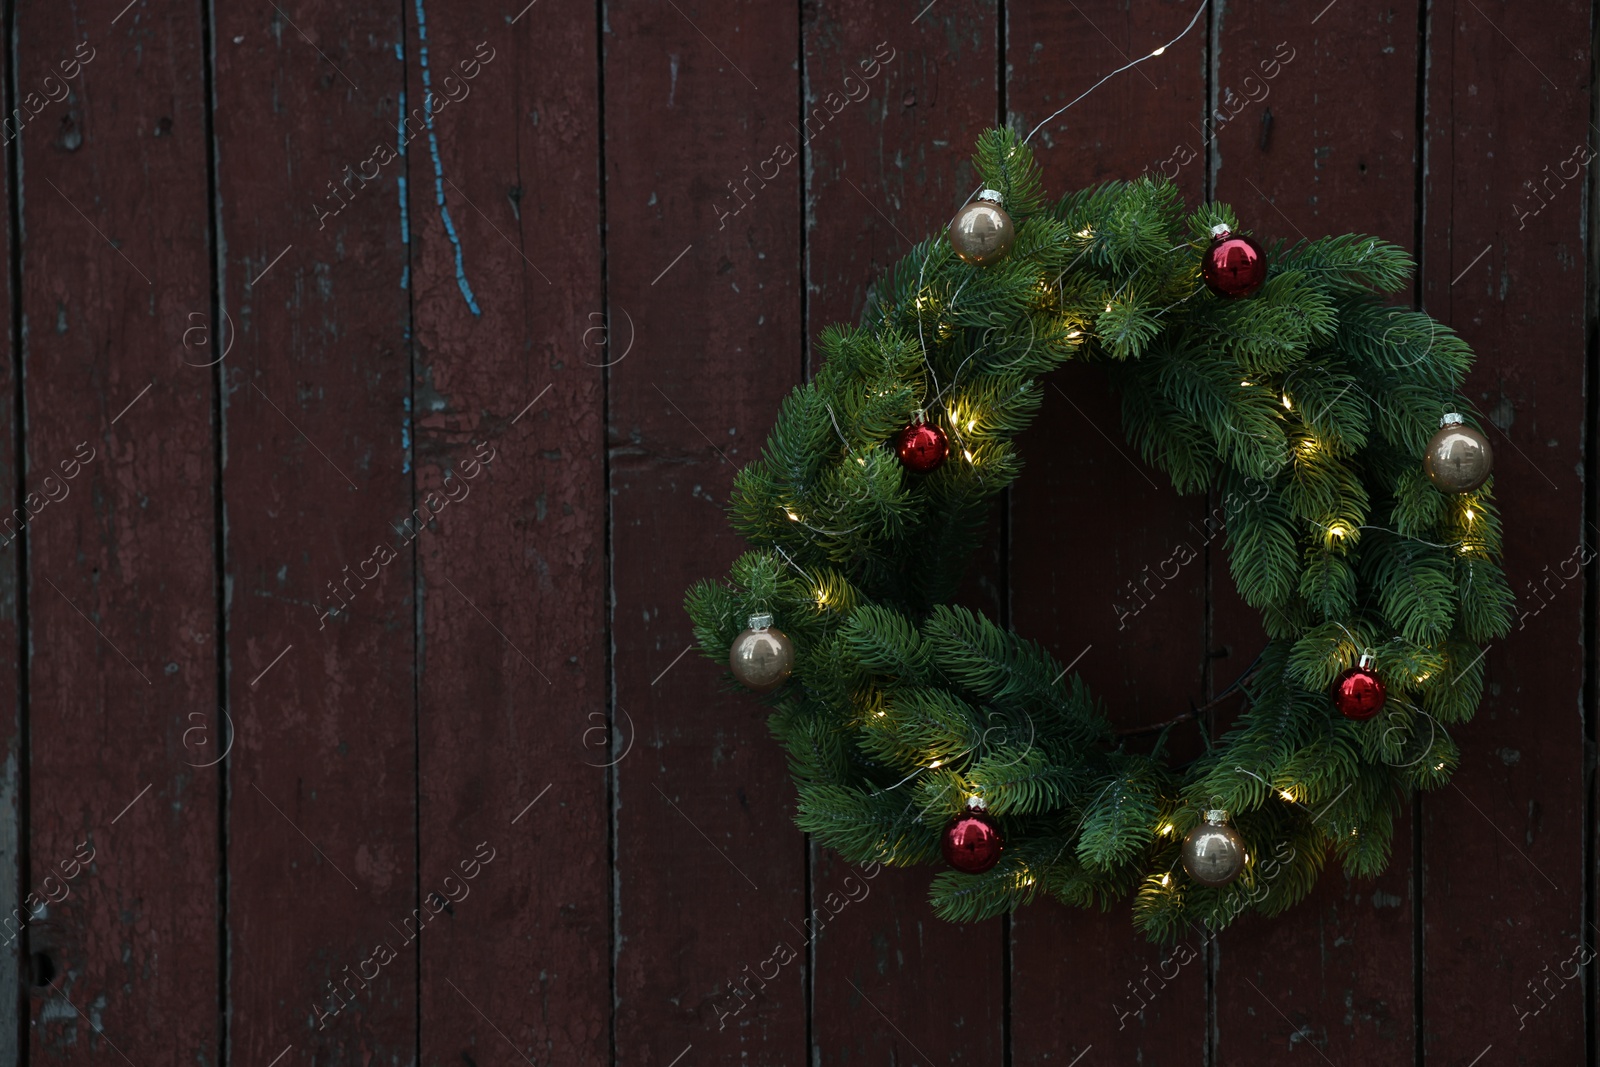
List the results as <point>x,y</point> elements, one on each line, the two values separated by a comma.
<point>1304,408</point>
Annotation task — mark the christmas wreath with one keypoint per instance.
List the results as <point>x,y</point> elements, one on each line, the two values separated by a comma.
<point>1357,517</point>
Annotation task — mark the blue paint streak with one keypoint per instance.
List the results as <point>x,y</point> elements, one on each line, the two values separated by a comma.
<point>400,179</point>
<point>438,166</point>
<point>405,436</point>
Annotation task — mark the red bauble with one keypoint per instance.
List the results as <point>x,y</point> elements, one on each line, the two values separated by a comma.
<point>922,447</point>
<point>1358,694</point>
<point>1234,265</point>
<point>972,842</point>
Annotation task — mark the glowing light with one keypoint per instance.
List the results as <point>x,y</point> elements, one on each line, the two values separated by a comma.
<point>822,598</point>
<point>1166,879</point>
<point>881,714</point>
<point>968,453</point>
<point>792,516</point>
<point>1245,384</point>
<point>1338,530</point>
<point>1287,795</point>
<point>972,424</point>
<point>1086,232</point>
<point>1470,515</point>
<point>935,764</point>
<point>1424,676</point>
<point>1158,51</point>
<point>1436,766</point>
<point>1288,405</point>
<point>1166,829</point>
<point>1108,307</point>
<point>1073,335</point>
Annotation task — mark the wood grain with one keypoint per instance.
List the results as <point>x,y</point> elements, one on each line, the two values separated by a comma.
<point>323,805</point>
<point>122,585</point>
<point>513,681</point>
<point>1502,876</point>
<point>710,871</point>
<point>15,873</point>
<point>1336,971</point>
<point>893,983</point>
<point>1086,497</point>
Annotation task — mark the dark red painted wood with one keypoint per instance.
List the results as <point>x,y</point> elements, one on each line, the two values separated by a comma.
<point>1502,880</point>
<point>323,797</point>
<point>893,983</point>
<point>1335,972</point>
<point>483,668</point>
<point>13,755</point>
<point>1079,465</point>
<point>513,677</point>
<point>121,579</point>
<point>710,869</point>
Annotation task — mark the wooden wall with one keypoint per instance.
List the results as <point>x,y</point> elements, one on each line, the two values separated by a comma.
<point>366,450</point>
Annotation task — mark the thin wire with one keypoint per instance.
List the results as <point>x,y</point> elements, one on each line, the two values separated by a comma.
<point>795,565</point>
<point>1119,70</point>
<point>832,418</point>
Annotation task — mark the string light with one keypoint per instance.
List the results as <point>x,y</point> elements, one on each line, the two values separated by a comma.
<point>1244,384</point>
<point>1287,795</point>
<point>935,764</point>
<point>1470,515</point>
<point>968,453</point>
<point>822,597</point>
<point>1158,51</point>
<point>1166,829</point>
<point>1085,232</point>
<point>1166,879</point>
<point>1288,405</point>
<point>792,516</point>
<point>1338,531</point>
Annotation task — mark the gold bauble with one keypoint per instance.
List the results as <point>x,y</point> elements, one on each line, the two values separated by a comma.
<point>982,232</point>
<point>761,657</point>
<point>1458,458</point>
<point>1214,853</point>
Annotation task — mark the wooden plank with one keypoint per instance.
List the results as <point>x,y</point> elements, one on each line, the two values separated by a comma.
<point>317,478</point>
<point>710,869</point>
<point>14,866</point>
<point>513,612</point>
<point>1322,140</point>
<point>1508,106</point>
<point>886,170</point>
<point>120,557</point>
<point>1069,576</point>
